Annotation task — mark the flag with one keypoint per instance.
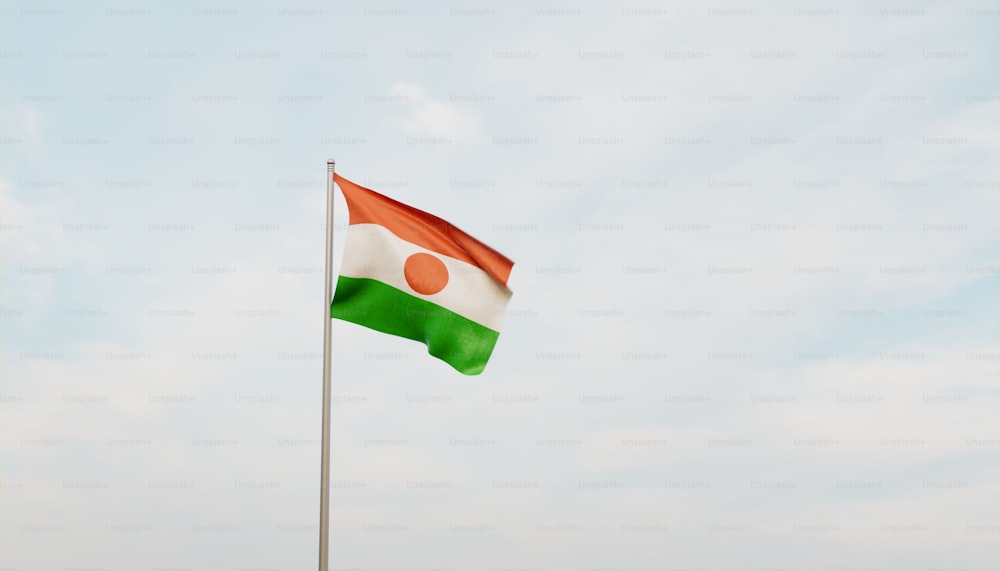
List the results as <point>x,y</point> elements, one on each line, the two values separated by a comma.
<point>409,273</point>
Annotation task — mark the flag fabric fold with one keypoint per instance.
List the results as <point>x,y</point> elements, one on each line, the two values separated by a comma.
<point>409,273</point>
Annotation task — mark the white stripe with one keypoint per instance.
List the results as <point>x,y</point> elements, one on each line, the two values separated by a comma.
<point>372,251</point>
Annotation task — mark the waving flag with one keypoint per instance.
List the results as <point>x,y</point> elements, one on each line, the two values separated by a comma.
<point>409,273</point>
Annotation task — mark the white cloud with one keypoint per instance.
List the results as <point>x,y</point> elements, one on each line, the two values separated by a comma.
<point>432,117</point>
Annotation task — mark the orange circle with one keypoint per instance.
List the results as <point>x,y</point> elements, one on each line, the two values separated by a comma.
<point>425,273</point>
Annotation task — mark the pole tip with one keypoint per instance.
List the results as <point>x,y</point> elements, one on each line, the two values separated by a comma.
<point>330,161</point>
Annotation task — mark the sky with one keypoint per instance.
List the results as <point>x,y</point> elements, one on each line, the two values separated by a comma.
<point>755,314</point>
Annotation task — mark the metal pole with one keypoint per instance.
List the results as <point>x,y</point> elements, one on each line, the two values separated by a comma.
<point>324,493</point>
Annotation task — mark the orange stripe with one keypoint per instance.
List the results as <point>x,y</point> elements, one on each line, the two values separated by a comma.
<point>425,230</point>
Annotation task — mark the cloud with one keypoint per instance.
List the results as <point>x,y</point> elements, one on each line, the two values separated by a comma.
<point>431,117</point>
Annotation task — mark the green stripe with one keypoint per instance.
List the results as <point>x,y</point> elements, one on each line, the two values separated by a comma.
<point>460,342</point>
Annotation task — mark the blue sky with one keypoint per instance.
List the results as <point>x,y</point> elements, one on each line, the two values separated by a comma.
<point>754,321</point>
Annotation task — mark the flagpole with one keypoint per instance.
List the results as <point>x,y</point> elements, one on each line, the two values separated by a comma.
<point>324,493</point>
